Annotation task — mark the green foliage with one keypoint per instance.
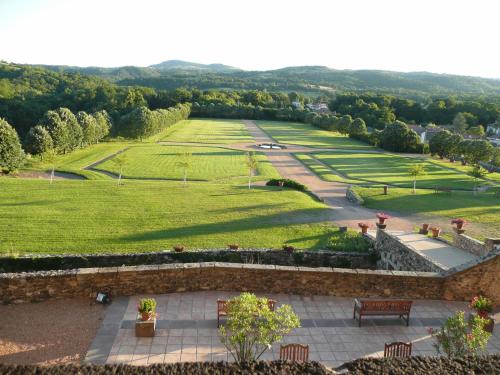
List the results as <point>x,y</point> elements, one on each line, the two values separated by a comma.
<point>459,337</point>
<point>11,153</point>
<point>475,151</point>
<point>252,327</point>
<point>349,241</point>
<point>481,303</point>
<point>357,128</point>
<point>399,137</point>
<point>460,123</point>
<point>38,141</point>
<point>146,305</point>
<point>285,182</point>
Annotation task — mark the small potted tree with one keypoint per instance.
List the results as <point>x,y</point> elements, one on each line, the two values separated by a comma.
<point>483,308</point>
<point>364,227</point>
<point>234,246</point>
<point>381,220</point>
<point>178,248</point>
<point>435,231</point>
<point>146,318</point>
<point>288,248</point>
<point>459,225</point>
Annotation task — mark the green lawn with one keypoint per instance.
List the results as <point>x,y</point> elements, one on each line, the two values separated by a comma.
<point>307,135</point>
<point>323,171</point>
<point>392,169</point>
<point>482,208</point>
<point>75,161</point>
<point>495,176</point>
<point>207,163</point>
<point>88,216</point>
<point>213,131</point>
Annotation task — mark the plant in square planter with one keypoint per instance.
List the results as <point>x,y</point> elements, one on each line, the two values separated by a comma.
<point>146,318</point>
<point>483,308</point>
<point>381,220</point>
<point>459,225</point>
<point>234,246</point>
<point>179,248</point>
<point>289,248</point>
<point>435,231</point>
<point>424,229</point>
<point>364,227</point>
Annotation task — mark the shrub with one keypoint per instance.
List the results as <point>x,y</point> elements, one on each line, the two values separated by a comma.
<point>287,183</point>
<point>348,241</point>
<point>146,305</point>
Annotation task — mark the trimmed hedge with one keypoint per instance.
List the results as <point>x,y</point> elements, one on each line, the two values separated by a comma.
<point>287,183</point>
<point>196,368</point>
<point>424,365</point>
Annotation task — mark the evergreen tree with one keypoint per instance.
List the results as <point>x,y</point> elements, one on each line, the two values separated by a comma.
<point>11,153</point>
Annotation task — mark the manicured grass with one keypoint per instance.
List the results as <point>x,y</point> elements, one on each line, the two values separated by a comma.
<point>322,170</point>
<point>482,208</point>
<point>307,135</point>
<point>75,161</point>
<point>495,176</point>
<point>207,163</point>
<point>99,216</point>
<point>208,131</point>
<point>393,169</point>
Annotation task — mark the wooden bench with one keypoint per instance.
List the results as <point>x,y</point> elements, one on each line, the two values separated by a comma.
<point>399,308</point>
<point>442,189</point>
<point>397,349</point>
<point>222,308</point>
<point>294,352</point>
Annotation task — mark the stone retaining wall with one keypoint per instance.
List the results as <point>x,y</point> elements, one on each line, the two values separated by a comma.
<point>396,255</point>
<point>169,278</point>
<point>353,197</point>
<point>469,244</point>
<point>247,256</point>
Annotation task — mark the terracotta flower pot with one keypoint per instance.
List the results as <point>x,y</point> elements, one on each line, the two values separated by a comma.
<point>364,227</point>
<point>234,247</point>
<point>289,248</point>
<point>425,226</point>
<point>460,224</point>
<point>147,315</point>
<point>435,232</point>
<point>179,249</point>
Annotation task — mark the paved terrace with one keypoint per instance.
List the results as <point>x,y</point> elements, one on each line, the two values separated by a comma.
<point>186,330</point>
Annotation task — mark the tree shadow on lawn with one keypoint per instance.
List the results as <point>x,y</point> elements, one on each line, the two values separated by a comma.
<point>248,208</point>
<point>296,217</point>
<point>31,203</point>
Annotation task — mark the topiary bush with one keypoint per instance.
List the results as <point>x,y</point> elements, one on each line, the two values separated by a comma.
<point>349,241</point>
<point>287,183</point>
<point>196,368</point>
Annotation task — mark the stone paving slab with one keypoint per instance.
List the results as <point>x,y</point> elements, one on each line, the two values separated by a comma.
<point>187,330</point>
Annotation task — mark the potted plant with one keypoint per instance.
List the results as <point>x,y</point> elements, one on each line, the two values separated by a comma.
<point>382,217</point>
<point>289,248</point>
<point>179,248</point>
<point>435,231</point>
<point>424,229</point>
<point>459,225</point>
<point>234,246</point>
<point>364,227</point>
<point>483,308</point>
<point>146,308</point>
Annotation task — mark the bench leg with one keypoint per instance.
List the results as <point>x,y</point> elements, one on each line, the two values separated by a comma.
<point>359,323</point>
<point>218,321</point>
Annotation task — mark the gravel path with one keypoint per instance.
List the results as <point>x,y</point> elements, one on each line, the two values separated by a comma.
<point>50,332</point>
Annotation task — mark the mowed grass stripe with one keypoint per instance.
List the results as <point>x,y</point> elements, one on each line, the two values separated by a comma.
<point>208,131</point>
<point>308,135</point>
<point>207,163</point>
<point>99,216</point>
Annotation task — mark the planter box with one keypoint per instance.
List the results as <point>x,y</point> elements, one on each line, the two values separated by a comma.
<point>145,328</point>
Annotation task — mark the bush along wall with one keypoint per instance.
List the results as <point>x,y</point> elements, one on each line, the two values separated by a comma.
<point>196,368</point>
<point>275,257</point>
<point>285,182</point>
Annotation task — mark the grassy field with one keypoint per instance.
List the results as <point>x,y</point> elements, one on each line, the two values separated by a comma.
<point>323,171</point>
<point>75,161</point>
<point>208,131</point>
<point>481,208</point>
<point>99,216</point>
<point>495,176</point>
<point>307,135</point>
<point>207,163</point>
<point>392,169</point>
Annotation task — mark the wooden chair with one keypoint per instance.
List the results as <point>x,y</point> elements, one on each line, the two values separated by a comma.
<point>397,349</point>
<point>222,308</point>
<point>294,352</point>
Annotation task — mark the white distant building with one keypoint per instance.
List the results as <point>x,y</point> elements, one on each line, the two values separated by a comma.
<point>318,107</point>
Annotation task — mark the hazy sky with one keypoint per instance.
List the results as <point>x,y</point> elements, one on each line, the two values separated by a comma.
<point>459,37</point>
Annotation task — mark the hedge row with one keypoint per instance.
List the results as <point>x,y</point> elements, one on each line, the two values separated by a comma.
<point>424,366</point>
<point>287,183</point>
<point>196,368</point>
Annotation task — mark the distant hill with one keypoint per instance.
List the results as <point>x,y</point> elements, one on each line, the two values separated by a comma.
<point>172,74</point>
<point>191,66</point>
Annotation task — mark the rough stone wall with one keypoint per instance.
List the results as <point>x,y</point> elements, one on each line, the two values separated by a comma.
<point>469,244</point>
<point>480,277</point>
<point>169,278</point>
<point>396,255</point>
<point>353,197</point>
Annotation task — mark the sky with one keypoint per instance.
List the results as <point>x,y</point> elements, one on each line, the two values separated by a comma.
<point>441,36</point>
